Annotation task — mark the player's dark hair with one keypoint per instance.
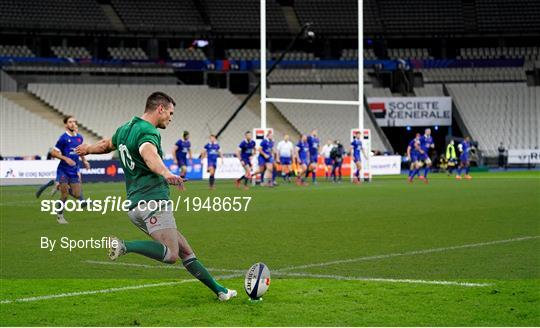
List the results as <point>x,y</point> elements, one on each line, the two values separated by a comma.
<point>186,133</point>
<point>66,119</point>
<point>156,99</point>
<point>247,132</point>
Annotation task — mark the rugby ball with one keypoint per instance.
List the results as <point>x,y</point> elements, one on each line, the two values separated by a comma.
<point>257,281</point>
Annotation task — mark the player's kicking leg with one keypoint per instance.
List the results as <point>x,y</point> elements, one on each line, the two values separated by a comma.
<point>168,246</point>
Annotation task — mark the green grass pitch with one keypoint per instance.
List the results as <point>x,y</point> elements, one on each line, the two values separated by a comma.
<point>450,253</point>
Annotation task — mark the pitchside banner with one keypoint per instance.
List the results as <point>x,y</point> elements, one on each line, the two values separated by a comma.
<point>523,156</point>
<point>411,111</point>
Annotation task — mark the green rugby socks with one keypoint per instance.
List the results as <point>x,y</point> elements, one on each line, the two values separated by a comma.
<point>198,270</point>
<point>149,248</point>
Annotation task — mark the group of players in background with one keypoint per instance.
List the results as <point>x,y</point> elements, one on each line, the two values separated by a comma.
<point>418,156</point>
<point>299,161</point>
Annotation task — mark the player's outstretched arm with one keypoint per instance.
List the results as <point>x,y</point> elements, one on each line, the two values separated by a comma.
<point>154,162</point>
<point>103,146</point>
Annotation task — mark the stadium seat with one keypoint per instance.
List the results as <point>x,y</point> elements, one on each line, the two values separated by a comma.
<point>507,112</point>
<point>103,108</point>
<point>36,138</point>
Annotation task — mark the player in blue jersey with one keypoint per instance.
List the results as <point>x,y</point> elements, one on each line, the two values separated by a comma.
<point>302,160</point>
<point>212,152</point>
<point>414,152</point>
<point>266,159</point>
<point>426,142</point>
<point>464,163</point>
<point>182,153</point>
<point>356,149</point>
<point>67,173</point>
<point>314,148</point>
<point>56,184</point>
<point>246,150</point>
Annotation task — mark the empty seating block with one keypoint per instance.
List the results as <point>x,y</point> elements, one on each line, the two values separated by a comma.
<point>503,112</point>
<point>15,51</point>
<point>422,16</point>
<point>127,53</point>
<point>71,52</point>
<point>186,54</point>
<point>409,53</point>
<point>246,54</point>
<point>329,75</point>
<point>482,74</point>
<point>53,14</point>
<point>527,53</point>
<point>159,16</point>
<point>24,133</point>
<point>508,16</point>
<point>242,16</point>
<point>200,110</point>
<point>330,16</point>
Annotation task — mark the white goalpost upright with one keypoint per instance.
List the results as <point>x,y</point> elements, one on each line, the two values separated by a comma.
<point>359,103</point>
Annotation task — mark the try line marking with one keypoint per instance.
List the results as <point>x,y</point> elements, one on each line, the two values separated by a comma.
<point>408,281</point>
<point>282,272</point>
<point>418,252</point>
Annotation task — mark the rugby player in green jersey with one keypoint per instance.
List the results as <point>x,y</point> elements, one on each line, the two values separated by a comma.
<point>147,183</point>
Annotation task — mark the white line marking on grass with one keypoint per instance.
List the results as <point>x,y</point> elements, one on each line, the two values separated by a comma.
<point>91,292</point>
<point>107,290</point>
<point>407,281</point>
<point>147,266</point>
<point>423,251</point>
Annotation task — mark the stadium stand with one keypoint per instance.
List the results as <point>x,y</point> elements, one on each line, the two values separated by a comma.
<point>166,16</point>
<point>422,16</point>
<point>186,54</point>
<point>429,90</point>
<point>71,52</point>
<point>329,75</point>
<point>478,74</point>
<point>508,16</point>
<point>352,54</point>
<point>332,121</point>
<point>24,133</point>
<point>245,54</point>
<point>295,55</point>
<point>103,108</point>
<point>372,19</point>
<point>330,16</point>
<point>53,15</point>
<point>127,53</point>
<point>409,53</point>
<point>370,91</point>
<point>242,16</point>
<point>504,112</point>
<point>528,53</point>
<point>15,51</point>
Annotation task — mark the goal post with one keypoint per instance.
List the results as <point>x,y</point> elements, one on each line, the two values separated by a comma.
<point>358,103</point>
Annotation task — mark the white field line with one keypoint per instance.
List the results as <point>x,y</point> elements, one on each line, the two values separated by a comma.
<point>391,280</point>
<point>147,266</point>
<point>418,252</point>
<point>108,290</point>
<point>281,272</point>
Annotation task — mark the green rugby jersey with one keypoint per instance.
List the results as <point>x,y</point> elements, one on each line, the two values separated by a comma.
<point>141,182</point>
